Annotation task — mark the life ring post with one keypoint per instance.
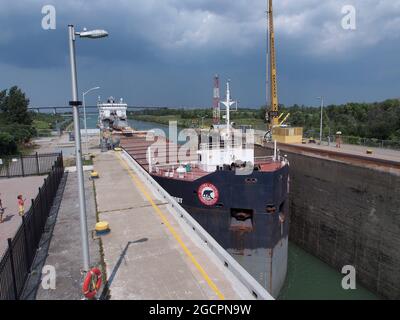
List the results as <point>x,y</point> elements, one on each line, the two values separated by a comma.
<point>92,283</point>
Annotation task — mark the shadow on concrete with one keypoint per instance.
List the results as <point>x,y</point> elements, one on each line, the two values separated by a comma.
<point>8,217</point>
<point>106,290</point>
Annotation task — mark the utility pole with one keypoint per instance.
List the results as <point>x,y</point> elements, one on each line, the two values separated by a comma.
<point>84,116</point>
<point>320,128</point>
<point>75,103</point>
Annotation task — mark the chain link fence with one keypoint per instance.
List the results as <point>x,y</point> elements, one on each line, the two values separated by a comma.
<point>365,142</point>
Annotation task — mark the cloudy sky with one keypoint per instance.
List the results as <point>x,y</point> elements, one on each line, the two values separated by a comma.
<point>165,52</point>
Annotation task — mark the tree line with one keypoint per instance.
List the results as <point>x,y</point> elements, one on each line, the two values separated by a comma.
<point>15,120</point>
<point>378,120</point>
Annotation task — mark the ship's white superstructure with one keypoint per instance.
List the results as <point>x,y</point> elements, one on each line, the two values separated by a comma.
<point>230,145</point>
<point>113,116</point>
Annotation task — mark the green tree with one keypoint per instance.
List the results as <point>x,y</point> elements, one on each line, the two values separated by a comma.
<point>7,144</point>
<point>14,106</point>
<point>15,121</point>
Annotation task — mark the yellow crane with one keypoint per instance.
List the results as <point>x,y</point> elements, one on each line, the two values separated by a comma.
<point>276,131</point>
<point>273,113</point>
<point>284,119</point>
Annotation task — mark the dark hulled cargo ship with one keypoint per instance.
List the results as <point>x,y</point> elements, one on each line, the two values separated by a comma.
<point>242,201</point>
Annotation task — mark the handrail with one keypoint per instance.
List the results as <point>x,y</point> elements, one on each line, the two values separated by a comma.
<point>264,158</point>
<point>223,144</point>
<point>174,164</point>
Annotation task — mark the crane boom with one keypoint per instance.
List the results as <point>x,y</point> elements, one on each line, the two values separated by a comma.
<point>276,131</point>
<point>274,107</point>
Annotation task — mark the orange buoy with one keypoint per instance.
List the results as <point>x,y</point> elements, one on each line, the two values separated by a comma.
<point>92,283</point>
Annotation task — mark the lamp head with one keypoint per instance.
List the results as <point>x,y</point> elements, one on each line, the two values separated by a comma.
<point>93,34</point>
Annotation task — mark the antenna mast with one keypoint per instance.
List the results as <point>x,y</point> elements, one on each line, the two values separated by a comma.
<point>216,99</point>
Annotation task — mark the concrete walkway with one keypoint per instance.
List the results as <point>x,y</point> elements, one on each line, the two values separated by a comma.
<point>378,153</point>
<point>147,254</point>
<point>65,252</point>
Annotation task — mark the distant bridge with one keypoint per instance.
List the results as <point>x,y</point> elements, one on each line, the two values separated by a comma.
<point>90,109</point>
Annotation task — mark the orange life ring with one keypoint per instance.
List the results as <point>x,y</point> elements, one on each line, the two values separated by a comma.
<point>92,283</point>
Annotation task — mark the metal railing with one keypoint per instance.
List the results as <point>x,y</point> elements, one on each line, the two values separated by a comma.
<point>365,142</point>
<point>16,262</point>
<point>268,159</point>
<point>222,146</point>
<point>29,165</point>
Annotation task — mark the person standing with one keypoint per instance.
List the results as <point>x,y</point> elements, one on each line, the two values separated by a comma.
<point>338,139</point>
<point>21,205</point>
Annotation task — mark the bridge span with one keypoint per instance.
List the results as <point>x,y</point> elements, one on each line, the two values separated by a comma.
<point>65,109</point>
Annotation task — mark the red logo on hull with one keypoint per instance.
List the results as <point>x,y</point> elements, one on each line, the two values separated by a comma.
<point>208,194</point>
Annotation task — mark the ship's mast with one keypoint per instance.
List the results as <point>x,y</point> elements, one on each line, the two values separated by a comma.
<point>216,97</point>
<point>273,111</point>
<point>228,103</point>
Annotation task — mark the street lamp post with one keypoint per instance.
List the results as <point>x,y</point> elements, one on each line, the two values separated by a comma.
<point>320,128</point>
<point>84,115</point>
<point>75,103</point>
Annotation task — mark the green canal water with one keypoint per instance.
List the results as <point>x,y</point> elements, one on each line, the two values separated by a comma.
<point>308,278</point>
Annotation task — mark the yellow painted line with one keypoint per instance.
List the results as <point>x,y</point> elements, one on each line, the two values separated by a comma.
<point>142,188</point>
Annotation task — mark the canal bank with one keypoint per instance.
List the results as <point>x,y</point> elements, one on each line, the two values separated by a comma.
<point>308,277</point>
<point>344,210</point>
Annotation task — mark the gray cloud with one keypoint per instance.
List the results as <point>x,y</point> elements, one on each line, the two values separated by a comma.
<point>165,52</point>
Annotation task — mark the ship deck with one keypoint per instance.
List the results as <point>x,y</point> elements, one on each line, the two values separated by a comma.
<point>137,147</point>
